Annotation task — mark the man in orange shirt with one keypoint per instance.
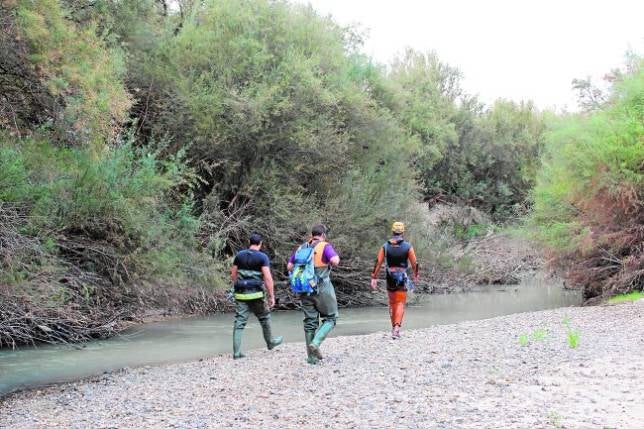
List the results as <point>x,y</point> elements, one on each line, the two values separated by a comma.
<point>397,255</point>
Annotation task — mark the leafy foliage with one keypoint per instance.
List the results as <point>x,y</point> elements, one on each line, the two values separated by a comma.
<point>279,125</point>
<point>486,158</point>
<point>112,215</point>
<point>588,201</point>
<point>78,72</point>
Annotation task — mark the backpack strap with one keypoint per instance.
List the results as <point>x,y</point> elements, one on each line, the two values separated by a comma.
<point>318,252</point>
<point>385,247</point>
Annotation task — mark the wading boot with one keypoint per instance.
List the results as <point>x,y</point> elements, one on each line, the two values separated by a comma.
<point>271,342</point>
<point>310,358</point>
<point>395,332</point>
<point>237,337</point>
<point>320,335</point>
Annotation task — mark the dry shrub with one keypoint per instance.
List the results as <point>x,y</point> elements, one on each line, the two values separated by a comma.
<point>611,258</point>
<point>25,322</point>
<point>44,298</point>
<point>25,100</point>
<point>16,249</point>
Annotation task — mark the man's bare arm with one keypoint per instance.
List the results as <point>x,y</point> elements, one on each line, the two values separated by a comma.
<point>268,282</point>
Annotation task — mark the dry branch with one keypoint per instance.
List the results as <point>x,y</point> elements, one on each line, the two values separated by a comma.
<point>24,322</point>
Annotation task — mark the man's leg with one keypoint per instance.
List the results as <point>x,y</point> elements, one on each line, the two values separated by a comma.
<point>327,306</point>
<point>311,323</point>
<point>242,311</point>
<point>263,314</point>
<point>391,308</point>
<point>397,309</point>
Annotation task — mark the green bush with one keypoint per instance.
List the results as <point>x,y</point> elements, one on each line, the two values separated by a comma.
<point>629,297</point>
<point>77,69</point>
<point>589,191</point>
<point>14,180</point>
<point>492,164</point>
<point>270,103</point>
<point>124,199</point>
<point>470,231</point>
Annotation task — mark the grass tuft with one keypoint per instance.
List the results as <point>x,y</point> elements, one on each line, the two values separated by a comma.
<point>627,297</point>
<point>572,335</point>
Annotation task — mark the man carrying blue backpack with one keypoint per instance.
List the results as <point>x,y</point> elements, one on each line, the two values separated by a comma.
<point>310,278</point>
<point>251,276</point>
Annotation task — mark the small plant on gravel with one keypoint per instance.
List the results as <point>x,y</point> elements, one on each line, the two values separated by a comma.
<point>573,339</point>
<point>539,334</point>
<point>571,334</point>
<point>555,419</point>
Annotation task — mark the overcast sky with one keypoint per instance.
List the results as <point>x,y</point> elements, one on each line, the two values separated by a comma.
<point>516,49</point>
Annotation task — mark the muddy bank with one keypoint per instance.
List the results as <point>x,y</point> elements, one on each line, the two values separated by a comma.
<point>468,375</point>
<point>466,248</point>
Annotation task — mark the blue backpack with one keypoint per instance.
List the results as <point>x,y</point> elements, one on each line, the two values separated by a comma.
<point>303,279</point>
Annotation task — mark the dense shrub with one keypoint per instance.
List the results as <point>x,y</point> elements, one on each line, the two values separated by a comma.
<point>111,215</point>
<point>76,77</point>
<point>270,101</point>
<point>493,163</point>
<point>25,102</point>
<point>589,197</point>
<point>483,157</point>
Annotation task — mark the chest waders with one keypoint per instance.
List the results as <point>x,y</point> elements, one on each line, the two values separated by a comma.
<point>249,297</point>
<point>322,305</point>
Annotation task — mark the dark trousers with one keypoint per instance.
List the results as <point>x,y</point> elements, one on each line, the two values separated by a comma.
<point>322,305</point>
<point>244,308</point>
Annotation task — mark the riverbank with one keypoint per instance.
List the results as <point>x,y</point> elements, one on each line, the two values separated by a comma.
<point>470,374</point>
<point>31,316</point>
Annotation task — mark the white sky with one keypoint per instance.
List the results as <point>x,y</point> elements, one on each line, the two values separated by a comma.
<point>515,49</point>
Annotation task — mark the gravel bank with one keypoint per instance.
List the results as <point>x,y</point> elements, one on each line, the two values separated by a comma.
<point>466,375</point>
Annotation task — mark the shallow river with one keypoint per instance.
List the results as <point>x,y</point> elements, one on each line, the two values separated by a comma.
<point>180,340</point>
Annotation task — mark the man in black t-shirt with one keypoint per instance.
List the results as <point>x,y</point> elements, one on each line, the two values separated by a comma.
<point>251,276</point>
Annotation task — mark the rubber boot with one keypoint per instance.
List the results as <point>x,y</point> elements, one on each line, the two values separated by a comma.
<point>237,337</point>
<point>395,332</point>
<point>271,342</point>
<point>320,335</point>
<point>310,358</point>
